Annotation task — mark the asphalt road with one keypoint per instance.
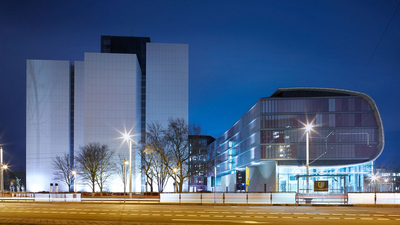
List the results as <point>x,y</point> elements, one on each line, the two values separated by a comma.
<point>85,213</point>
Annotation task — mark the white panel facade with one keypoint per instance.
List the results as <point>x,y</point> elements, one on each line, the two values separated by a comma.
<point>47,120</point>
<point>78,106</point>
<point>111,87</point>
<point>167,82</point>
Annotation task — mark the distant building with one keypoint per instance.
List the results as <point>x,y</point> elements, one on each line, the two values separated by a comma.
<point>270,140</point>
<point>130,83</point>
<point>199,161</point>
<point>387,180</point>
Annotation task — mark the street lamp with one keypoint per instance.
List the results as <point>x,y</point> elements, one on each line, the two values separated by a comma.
<point>3,167</point>
<point>73,172</point>
<point>128,139</point>
<point>175,170</point>
<point>125,164</point>
<point>308,128</point>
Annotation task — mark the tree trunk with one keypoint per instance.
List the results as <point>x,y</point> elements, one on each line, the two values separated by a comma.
<point>93,188</point>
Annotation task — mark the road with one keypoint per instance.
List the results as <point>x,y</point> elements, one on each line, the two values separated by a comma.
<point>88,213</point>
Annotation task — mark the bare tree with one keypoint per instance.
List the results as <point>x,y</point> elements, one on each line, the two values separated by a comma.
<point>62,170</point>
<point>147,157</point>
<point>121,168</point>
<point>177,154</point>
<point>96,164</point>
<point>154,166</point>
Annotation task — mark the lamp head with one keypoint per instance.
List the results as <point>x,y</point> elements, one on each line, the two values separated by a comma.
<point>308,127</point>
<point>126,136</point>
<point>126,162</point>
<point>175,170</point>
<point>4,166</point>
<point>73,172</point>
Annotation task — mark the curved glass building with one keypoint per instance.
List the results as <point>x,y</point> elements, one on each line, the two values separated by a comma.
<point>270,140</point>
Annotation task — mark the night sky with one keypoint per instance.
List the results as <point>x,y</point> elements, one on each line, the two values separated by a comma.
<point>239,51</point>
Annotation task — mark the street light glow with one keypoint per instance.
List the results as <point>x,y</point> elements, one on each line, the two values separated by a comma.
<point>73,172</point>
<point>309,127</point>
<point>126,136</point>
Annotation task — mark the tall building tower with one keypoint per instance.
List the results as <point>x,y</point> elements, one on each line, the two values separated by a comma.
<point>97,99</point>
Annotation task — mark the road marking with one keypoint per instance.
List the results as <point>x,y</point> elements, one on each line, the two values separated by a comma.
<point>204,215</point>
<point>143,214</point>
<point>383,219</point>
<point>287,217</point>
<point>232,221</point>
<point>377,215</point>
<point>273,213</point>
<point>63,212</point>
<point>155,214</point>
<point>95,213</point>
<point>156,211</point>
<point>167,214</point>
<point>179,215</point>
<point>363,214</point>
<point>132,214</point>
<point>337,214</point>
<point>349,218</point>
<point>272,217</point>
<point>350,214</point>
<point>334,218</point>
<point>298,213</point>
<point>258,217</point>
<point>393,215</point>
<point>366,218</point>
<point>245,216</point>
<point>167,211</point>
<point>116,214</point>
<point>103,213</point>
<point>192,215</point>
<point>177,211</point>
<point>230,216</point>
<point>319,218</point>
<point>303,217</point>
<point>218,216</point>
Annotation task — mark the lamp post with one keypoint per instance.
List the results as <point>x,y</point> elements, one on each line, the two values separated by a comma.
<point>127,138</point>
<point>308,129</point>
<point>125,163</point>
<point>74,173</point>
<point>2,171</point>
<point>175,170</point>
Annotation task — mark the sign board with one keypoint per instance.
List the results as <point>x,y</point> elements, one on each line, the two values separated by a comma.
<point>240,177</point>
<point>247,176</point>
<point>321,185</point>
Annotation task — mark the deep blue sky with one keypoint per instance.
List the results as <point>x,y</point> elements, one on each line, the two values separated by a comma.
<point>239,51</point>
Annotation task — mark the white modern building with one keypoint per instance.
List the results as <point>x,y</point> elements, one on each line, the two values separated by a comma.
<point>132,82</point>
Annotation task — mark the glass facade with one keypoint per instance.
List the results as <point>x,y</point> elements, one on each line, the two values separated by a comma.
<point>347,130</point>
<point>199,161</point>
